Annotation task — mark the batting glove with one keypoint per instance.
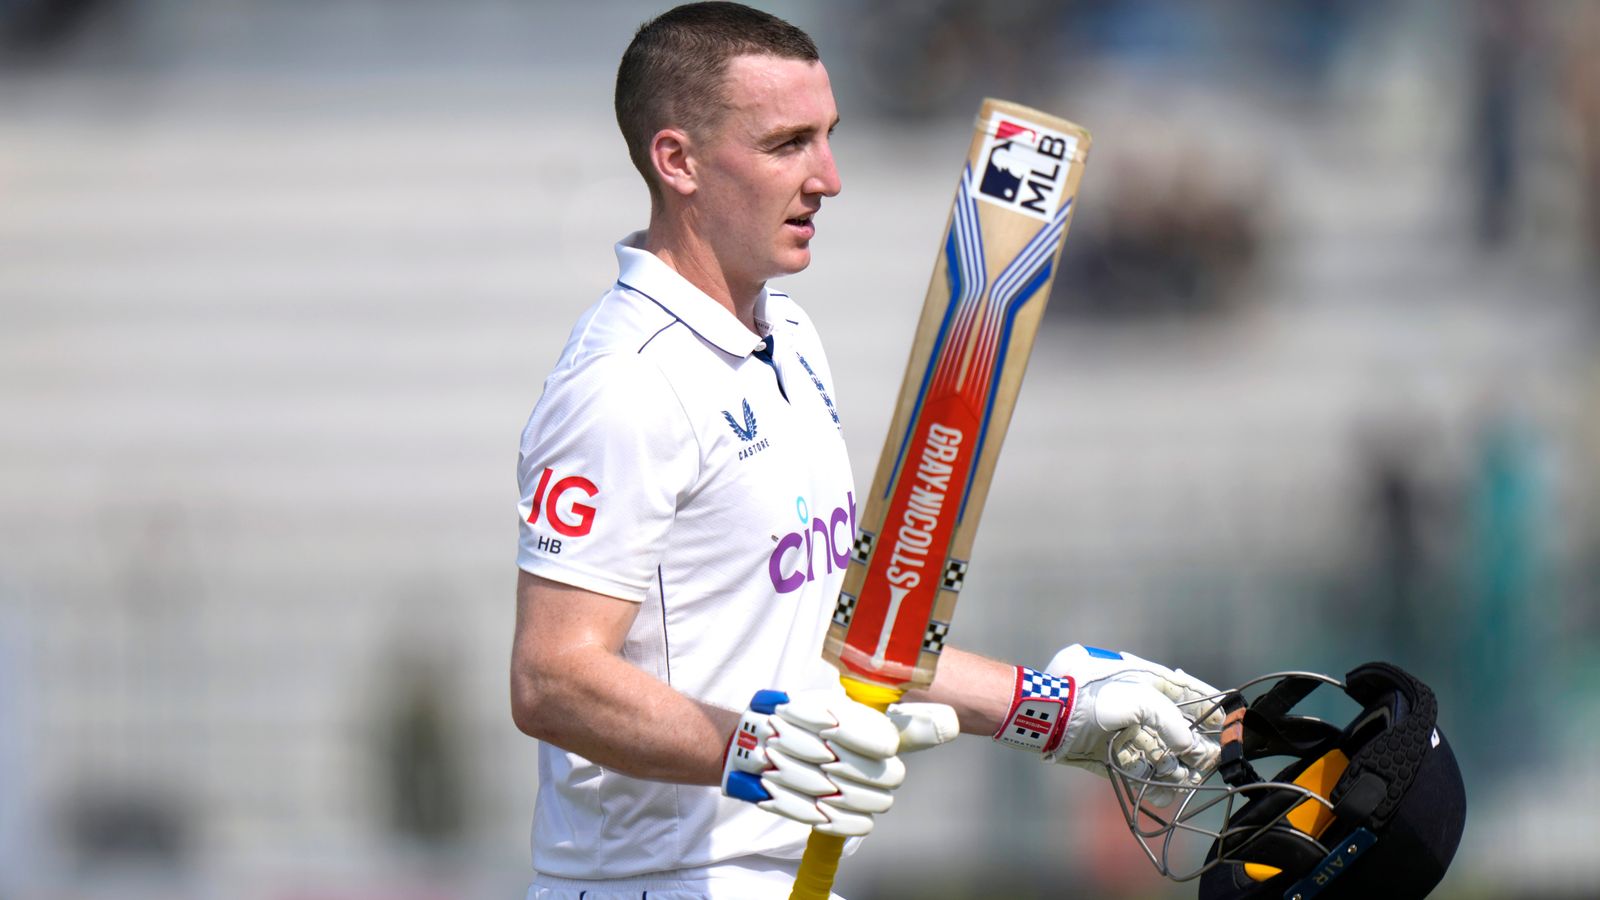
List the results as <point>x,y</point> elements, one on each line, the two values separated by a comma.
<point>829,762</point>
<point>1091,705</point>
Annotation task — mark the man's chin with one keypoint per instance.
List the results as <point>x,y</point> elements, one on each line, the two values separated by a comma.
<point>790,262</point>
<point>794,261</point>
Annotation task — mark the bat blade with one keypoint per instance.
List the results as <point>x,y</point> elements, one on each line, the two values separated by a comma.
<point>990,282</point>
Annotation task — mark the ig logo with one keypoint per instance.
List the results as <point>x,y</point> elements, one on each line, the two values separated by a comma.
<point>569,519</point>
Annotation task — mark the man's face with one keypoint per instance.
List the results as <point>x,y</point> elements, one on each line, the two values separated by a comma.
<point>765,169</point>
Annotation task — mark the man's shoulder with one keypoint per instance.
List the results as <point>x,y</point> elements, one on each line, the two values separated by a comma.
<point>623,320</point>
<point>605,377</point>
<point>628,338</point>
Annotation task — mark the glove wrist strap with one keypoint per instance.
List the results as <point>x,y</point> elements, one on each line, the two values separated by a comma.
<point>1040,705</point>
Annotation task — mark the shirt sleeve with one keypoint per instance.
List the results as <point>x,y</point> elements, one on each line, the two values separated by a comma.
<point>606,456</point>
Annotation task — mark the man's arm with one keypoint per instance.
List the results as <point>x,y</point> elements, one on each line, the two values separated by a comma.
<point>979,688</point>
<point>570,688</point>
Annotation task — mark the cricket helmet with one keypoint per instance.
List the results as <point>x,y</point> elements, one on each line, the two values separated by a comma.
<point>1371,808</point>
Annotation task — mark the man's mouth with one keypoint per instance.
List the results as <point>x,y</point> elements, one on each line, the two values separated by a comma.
<point>802,224</point>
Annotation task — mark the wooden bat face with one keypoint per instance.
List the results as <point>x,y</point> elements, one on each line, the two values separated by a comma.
<point>990,283</point>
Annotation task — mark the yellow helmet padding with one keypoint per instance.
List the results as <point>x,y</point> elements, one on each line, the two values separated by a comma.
<point>1308,815</point>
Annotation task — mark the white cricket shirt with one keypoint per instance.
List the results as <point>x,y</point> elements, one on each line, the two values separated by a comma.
<point>669,464</point>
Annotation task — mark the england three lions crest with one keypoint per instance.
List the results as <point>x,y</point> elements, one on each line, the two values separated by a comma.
<point>1024,166</point>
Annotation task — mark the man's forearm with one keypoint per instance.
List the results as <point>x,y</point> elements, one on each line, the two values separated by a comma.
<point>572,689</point>
<point>600,707</point>
<point>980,689</point>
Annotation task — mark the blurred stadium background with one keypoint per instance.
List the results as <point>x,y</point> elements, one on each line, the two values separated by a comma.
<point>279,282</point>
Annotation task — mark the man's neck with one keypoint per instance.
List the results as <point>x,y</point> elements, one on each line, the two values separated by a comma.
<point>689,255</point>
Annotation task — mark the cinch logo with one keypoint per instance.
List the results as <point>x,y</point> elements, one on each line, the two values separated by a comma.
<point>793,560</point>
<point>1024,167</point>
<point>578,518</point>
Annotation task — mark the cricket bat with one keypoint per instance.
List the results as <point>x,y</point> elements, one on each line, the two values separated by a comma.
<point>990,282</point>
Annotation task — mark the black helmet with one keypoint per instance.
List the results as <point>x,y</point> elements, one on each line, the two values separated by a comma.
<point>1374,808</point>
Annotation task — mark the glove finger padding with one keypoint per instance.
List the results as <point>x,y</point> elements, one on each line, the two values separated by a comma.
<point>924,725</point>
<point>796,774</point>
<point>862,729</point>
<point>843,822</point>
<point>860,798</point>
<point>819,758</point>
<point>792,804</point>
<point>802,745</point>
<point>879,773</point>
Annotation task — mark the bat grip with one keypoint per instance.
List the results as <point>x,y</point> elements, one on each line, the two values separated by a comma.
<point>814,881</point>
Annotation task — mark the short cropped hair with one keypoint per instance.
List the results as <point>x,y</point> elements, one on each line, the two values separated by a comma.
<point>674,71</point>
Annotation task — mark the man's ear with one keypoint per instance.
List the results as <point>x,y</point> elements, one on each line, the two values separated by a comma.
<point>671,153</point>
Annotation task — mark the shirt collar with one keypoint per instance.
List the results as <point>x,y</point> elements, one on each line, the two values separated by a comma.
<point>644,272</point>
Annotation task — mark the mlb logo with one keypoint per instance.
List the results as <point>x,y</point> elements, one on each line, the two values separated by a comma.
<point>1001,176</point>
<point>1024,166</point>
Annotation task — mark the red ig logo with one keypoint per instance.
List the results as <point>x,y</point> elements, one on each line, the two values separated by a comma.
<point>551,501</point>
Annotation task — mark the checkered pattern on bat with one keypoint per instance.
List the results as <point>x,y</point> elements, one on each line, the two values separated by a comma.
<point>955,574</point>
<point>844,610</point>
<point>863,547</point>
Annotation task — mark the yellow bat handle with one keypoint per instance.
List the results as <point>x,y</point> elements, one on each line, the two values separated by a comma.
<point>814,881</point>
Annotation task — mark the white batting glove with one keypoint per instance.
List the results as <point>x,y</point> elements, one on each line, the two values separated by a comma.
<point>1090,699</point>
<point>819,758</point>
